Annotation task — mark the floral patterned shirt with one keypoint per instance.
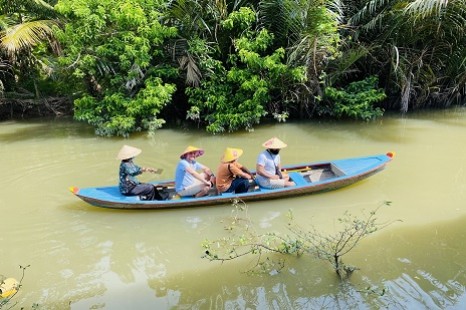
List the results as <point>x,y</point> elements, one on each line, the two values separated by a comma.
<point>128,173</point>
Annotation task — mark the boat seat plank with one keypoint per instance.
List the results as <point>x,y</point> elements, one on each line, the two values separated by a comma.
<point>297,178</point>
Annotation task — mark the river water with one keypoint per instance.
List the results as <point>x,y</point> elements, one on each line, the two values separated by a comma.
<point>84,257</point>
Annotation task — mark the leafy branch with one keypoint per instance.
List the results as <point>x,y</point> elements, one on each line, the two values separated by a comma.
<point>243,240</point>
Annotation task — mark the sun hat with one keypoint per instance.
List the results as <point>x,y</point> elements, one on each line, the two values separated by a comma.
<point>231,154</point>
<point>191,149</point>
<point>8,287</point>
<point>274,143</point>
<point>127,152</point>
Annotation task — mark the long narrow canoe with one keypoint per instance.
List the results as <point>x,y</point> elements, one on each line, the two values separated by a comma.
<point>309,178</point>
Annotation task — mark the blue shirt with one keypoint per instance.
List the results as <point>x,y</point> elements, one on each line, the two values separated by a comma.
<point>184,179</point>
<point>128,173</point>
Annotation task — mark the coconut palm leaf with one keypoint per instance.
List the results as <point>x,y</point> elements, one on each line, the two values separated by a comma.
<point>425,40</point>
<point>343,66</point>
<point>198,20</point>
<point>425,8</point>
<point>25,35</point>
<point>193,73</point>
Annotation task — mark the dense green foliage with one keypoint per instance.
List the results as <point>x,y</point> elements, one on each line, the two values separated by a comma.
<point>115,49</point>
<point>309,30</point>
<point>357,100</point>
<point>228,65</point>
<point>237,96</point>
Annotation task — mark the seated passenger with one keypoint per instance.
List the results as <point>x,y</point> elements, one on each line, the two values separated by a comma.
<point>128,183</point>
<point>268,167</point>
<point>231,175</point>
<point>192,178</point>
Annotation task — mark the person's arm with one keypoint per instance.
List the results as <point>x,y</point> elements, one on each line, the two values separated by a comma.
<point>246,171</point>
<point>132,169</point>
<point>207,171</point>
<point>260,170</point>
<point>283,174</point>
<point>198,176</point>
<point>260,167</point>
<point>241,171</point>
<point>210,175</point>
<point>279,171</point>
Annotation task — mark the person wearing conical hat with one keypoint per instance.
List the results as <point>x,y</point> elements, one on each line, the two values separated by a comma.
<point>231,175</point>
<point>268,167</point>
<point>191,177</point>
<point>128,183</point>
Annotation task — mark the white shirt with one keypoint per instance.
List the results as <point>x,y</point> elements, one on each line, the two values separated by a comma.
<point>269,162</point>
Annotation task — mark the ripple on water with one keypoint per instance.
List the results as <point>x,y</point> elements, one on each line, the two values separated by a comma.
<point>93,256</point>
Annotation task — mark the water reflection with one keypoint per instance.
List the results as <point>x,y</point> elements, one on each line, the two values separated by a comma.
<point>399,280</point>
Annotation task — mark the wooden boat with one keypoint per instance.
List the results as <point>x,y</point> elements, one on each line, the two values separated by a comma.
<point>309,178</point>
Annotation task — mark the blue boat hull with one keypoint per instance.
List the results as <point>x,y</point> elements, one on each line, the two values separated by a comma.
<point>309,178</point>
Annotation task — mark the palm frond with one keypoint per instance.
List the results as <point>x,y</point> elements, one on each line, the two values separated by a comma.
<point>370,9</point>
<point>25,35</point>
<point>193,73</point>
<point>425,8</point>
<point>6,21</point>
<point>344,64</point>
<point>191,15</point>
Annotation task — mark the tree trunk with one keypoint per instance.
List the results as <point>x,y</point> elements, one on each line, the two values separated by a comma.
<point>405,91</point>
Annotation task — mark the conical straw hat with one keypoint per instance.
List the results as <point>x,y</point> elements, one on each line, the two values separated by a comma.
<point>191,149</point>
<point>231,154</point>
<point>274,143</point>
<point>8,287</point>
<point>128,152</point>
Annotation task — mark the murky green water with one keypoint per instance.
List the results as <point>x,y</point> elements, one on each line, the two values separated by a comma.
<point>83,257</point>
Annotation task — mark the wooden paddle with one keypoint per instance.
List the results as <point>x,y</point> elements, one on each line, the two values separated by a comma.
<point>155,171</point>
